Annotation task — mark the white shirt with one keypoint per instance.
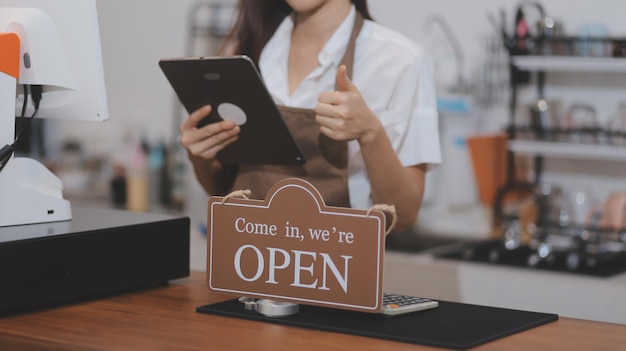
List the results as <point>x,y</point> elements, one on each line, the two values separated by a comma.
<point>394,76</point>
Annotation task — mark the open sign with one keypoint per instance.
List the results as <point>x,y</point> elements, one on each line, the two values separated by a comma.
<point>291,246</point>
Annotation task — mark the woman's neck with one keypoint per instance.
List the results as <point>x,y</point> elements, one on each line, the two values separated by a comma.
<point>319,24</point>
<point>313,28</point>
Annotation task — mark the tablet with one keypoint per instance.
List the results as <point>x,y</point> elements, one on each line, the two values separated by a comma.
<point>235,89</point>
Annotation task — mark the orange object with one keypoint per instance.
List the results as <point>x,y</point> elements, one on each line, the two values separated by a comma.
<point>488,154</point>
<point>10,54</point>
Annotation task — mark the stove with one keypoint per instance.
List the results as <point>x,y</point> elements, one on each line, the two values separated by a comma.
<point>541,255</point>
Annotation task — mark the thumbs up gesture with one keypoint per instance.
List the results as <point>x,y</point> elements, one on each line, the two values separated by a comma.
<point>343,114</point>
<point>342,82</point>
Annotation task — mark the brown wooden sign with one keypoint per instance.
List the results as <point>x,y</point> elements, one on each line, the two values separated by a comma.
<point>293,247</point>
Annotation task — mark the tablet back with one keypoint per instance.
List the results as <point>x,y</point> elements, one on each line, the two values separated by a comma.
<point>234,88</point>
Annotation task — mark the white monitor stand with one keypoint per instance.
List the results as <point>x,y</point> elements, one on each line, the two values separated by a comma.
<point>29,192</point>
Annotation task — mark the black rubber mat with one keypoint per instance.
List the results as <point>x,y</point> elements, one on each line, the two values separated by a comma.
<point>451,325</point>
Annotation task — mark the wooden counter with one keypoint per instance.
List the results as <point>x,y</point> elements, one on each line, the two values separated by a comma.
<point>164,318</point>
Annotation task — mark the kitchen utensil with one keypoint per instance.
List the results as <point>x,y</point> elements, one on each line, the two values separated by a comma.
<point>488,157</point>
<point>580,124</point>
<point>617,126</point>
<point>548,31</point>
<point>593,41</point>
<point>544,116</point>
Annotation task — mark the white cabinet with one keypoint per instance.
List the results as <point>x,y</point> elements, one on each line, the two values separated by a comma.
<point>566,294</point>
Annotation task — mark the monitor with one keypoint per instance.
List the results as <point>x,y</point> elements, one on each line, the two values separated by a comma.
<point>58,57</point>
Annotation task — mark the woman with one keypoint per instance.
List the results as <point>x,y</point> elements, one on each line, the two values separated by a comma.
<point>373,139</point>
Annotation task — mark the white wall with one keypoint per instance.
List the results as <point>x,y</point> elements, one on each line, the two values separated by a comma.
<point>135,35</point>
<point>469,21</point>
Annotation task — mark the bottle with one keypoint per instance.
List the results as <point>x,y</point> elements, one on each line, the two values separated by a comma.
<point>118,186</point>
<point>156,163</point>
<point>137,188</point>
<point>616,127</point>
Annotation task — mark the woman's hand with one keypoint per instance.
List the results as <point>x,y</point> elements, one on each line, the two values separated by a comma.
<point>344,115</point>
<point>205,142</point>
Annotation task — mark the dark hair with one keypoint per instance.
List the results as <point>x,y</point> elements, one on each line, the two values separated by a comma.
<point>257,21</point>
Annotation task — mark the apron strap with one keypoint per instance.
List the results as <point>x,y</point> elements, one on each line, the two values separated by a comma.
<point>348,57</point>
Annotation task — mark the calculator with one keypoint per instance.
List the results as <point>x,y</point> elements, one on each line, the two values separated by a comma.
<point>395,304</point>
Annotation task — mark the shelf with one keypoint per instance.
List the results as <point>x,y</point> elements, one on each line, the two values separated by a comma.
<point>570,64</point>
<point>568,150</point>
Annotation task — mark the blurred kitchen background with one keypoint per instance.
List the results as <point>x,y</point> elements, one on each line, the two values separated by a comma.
<point>532,103</point>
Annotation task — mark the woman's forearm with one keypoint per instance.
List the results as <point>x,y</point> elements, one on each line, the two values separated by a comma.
<point>391,182</point>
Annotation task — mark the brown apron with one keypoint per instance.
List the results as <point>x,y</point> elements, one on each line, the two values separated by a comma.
<point>326,159</point>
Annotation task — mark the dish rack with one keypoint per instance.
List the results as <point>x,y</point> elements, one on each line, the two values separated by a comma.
<point>545,242</point>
